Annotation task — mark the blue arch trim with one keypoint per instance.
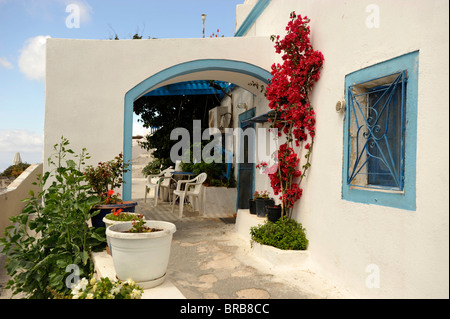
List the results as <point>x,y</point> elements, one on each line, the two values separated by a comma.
<point>170,73</point>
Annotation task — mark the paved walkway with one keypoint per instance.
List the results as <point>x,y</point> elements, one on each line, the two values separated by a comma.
<point>210,260</point>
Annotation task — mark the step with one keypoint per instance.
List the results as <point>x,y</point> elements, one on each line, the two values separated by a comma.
<point>104,267</point>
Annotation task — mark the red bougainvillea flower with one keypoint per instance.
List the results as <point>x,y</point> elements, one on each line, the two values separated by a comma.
<point>288,94</point>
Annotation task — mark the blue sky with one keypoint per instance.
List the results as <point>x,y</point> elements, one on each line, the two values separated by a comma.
<point>25,24</point>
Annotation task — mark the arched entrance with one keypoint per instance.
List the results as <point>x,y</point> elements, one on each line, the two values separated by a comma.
<point>238,72</point>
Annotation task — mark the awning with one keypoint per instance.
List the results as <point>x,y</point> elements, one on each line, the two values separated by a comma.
<point>200,87</point>
<point>261,118</point>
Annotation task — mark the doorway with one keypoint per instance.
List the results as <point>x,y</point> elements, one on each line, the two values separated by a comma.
<point>246,170</point>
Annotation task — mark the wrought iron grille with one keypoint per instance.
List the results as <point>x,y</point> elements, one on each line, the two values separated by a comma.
<point>376,111</point>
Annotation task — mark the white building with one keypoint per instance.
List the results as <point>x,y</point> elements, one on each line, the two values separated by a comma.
<point>398,232</point>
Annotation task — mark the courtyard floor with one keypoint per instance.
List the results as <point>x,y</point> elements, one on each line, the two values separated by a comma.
<point>209,260</point>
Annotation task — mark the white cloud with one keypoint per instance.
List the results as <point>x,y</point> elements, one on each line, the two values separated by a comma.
<point>21,141</point>
<point>32,58</point>
<point>29,144</point>
<point>5,63</point>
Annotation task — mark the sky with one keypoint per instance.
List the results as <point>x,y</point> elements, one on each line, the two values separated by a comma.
<point>26,24</point>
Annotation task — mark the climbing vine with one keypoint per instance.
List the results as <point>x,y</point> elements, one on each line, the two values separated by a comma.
<point>289,96</point>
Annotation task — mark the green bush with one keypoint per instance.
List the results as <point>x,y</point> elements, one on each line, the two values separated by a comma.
<point>153,167</point>
<point>286,234</point>
<point>40,265</point>
<point>213,169</point>
<point>15,170</point>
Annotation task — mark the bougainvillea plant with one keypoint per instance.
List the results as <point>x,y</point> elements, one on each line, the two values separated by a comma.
<point>288,94</point>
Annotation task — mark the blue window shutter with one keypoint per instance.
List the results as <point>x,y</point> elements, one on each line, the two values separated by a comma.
<point>377,135</point>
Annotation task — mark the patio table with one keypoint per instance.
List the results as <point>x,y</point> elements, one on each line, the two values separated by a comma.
<point>183,174</point>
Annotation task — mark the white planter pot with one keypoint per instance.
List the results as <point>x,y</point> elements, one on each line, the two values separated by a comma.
<point>109,222</point>
<point>141,257</point>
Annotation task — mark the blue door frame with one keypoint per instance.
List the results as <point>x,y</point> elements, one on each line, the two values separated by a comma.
<point>245,170</point>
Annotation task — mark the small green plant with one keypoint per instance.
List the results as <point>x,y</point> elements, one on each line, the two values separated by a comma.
<point>103,288</point>
<point>286,234</point>
<point>214,170</point>
<point>37,263</point>
<point>138,225</point>
<point>261,194</point>
<point>120,215</point>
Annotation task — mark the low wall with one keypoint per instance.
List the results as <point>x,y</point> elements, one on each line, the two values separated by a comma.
<point>244,221</point>
<point>219,201</point>
<point>273,257</point>
<point>11,199</point>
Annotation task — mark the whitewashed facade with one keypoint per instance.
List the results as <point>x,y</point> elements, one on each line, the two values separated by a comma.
<point>366,243</point>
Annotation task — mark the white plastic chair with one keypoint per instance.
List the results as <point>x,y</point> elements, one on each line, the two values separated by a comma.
<point>165,185</point>
<point>192,189</point>
<point>154,182</point>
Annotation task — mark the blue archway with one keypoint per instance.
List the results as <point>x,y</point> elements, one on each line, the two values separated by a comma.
<point>170,73</point>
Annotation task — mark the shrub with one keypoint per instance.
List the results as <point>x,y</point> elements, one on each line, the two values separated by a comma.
<point>286,234</point>
<point>106,175</point>
<point>153,167</point>
<point>58,215</point>
<point>15,170</point>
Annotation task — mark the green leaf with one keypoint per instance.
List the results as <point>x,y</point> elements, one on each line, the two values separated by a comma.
<point>84,257</point>
<point>71,164</point>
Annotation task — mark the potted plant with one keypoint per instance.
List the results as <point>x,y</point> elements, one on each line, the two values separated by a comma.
<point>103,179</point>
<point>252,205</point>
<point>117,216</point>
<point>141,249</point>
<point>261,201</point>
<point>273,212</point>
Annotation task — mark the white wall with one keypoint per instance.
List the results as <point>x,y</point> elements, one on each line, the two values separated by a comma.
<point>87,80</point>
<point>11,199</point>
<point>411,248</point>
